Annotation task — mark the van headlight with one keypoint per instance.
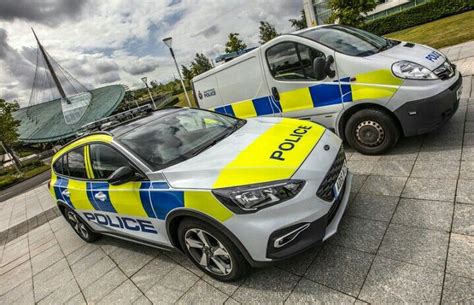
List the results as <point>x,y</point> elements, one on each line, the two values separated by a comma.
<point>250,198</point>
<point>411,70</point>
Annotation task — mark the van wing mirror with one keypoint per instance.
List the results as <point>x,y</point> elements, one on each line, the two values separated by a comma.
<point>329,72</point>
<point>122,175</point>
<point>319,68</point>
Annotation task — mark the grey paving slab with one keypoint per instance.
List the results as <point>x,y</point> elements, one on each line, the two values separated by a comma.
<point>391,281</point>
<point>467,170</point>
<point>357,156</point>
<point>430,189</point>
<point>270,285</point>
<point>126,293</point>
<point>22,294</point>
<point>340,268</point>
<point>461,256</point>
<point>463,221</point>
<point>143,300</point>
<point>86,273</point>
<point>383,185</point>
<point>226,287</point>
<point>468,152</point>
<point>46,258</point>
<point>15,277</point>
<point>457,290</point>
<point>62,294</point>
<point>417,246</point>
<point>375,207</point>
<point>203,293</point>
<point>361,167</point>
<point>78,299</point>
<point>394,168</point>
<point>55,277</point>
<point>434,215</point>
<point>104,285</point>
<point>357,182</point>
<point>465,191</point>
<point>133,257</point>
<point>359,234</point>
<point>153,271</point>
<point>437,170</point>
<point>300,263</point>
<point>308,292</point>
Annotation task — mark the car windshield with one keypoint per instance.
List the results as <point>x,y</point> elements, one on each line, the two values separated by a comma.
<point>178,136</point>
<point>348,40</point>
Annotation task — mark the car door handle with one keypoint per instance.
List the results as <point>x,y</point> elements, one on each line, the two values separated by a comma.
<point>100,196</point>
<point>275,93</point>
<point>66,193</point>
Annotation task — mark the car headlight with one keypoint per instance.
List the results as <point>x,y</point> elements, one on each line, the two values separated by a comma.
<point>250,198</point>
<point>411,70</point>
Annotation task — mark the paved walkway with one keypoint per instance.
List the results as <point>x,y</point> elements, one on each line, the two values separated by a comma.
<point>407,236</point>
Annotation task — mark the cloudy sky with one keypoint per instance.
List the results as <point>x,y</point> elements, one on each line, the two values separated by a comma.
<point>119,41</point>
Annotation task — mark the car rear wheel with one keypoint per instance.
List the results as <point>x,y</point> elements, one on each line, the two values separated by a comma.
<point>211,251</point>
<point>371,131</point>
<point>79,226</point>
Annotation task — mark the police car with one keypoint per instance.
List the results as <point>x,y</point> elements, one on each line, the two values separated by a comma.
<point>230,193</point>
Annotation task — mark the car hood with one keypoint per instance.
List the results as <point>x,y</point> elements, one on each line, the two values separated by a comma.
<point>413,52</point>
<point>263,150</point>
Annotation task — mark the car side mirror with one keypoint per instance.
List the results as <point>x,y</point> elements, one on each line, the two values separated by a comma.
<point>122,175</point>
<point>319,68</point>
<point>329,72</point>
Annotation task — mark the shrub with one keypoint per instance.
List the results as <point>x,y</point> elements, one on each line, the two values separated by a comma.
<point>423,13</point>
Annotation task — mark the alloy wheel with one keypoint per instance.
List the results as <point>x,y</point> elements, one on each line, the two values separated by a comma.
<point>77,225</point>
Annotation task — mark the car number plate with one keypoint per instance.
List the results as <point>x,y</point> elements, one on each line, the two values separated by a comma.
<point>458,93</point>
<point>340,180</point>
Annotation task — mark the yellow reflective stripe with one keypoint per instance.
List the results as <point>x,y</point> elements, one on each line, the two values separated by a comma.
<point>87,160</point>
<point>54,178</point>
<point>205,202</point>
<point>125,199</point>
<point>92,138</point>
<point>244,109</point>
<point>374,84</point>
<point>254,165</point>
<point>78,194</point>
<point>296,100</point>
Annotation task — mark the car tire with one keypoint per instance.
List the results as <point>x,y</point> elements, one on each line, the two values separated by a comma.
<point>371,131</point>
<point>211,250</point>
<point>80,226</point>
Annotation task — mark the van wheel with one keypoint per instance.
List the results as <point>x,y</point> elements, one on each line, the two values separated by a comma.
<point>79,226</point>
<point>211,251</point>
<point>371,132</point>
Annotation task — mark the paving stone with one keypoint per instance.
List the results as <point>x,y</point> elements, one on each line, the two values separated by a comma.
<point>357,156</point>
<point>143,300</point>
<point>457,290</point>
<point>437,138</point>
<point>268,285</point>
<point>15,277</point>
<point>461,256</point>
<point>406,150</point>
<point>88,273</point>
<point>434,215</point>
<point>152,272</point>
<point>382,185</point>
<point>361,167</point>
<point>340,268</point>
<point>104,285</point>
<point>467,153</point>
<point>11,265</point>
<point>394,168</point>
<point>183,260</point>
<point>465,191</point>
<point>467,170</point>
<point>417,246</point>
<point>299,264</point>
<point>22,294</point>
<point>46,258</point>
<point>440,153</point>
<point>359,234</point>
<point>62,294</point>
<point>463,221</point>
<point>172,286</point>
<point>78,299</point>
<point>430,189</point>
<point>55,277</point>
<point>42,245</point>
<point>126,293</point>
<point>14,250</point>
<point>226,287</point>
<point>81,253</point>
<point>392,281</point>
<point>375,207</point>
<point>133,257</point>
<point>203,293</point>
<point>436,170</point>
<point>308,292</point>
<point>357,182</point>
<point>68,240</point>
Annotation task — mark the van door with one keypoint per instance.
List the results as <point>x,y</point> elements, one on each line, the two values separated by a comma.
<point>292,81</point>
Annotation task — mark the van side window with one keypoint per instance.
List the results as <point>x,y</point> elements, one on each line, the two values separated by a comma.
<point>292,61</point>
<point>75,163</point>
<point>105,160</point>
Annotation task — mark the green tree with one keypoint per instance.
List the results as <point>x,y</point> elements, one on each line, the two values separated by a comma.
<point>350,12</point>
<point>200,64</point>
<point>8,128</point>
<point>267,32</point>
<point>300,23</point>
<point>234,43</point>
<point>187,74</point>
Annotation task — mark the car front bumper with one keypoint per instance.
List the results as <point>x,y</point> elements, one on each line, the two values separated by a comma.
<point>425,115</point>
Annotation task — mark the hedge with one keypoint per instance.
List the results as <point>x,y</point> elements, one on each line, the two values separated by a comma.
<point>420,14</point>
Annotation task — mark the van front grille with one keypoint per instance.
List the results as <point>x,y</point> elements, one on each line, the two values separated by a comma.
<point>325,190</point>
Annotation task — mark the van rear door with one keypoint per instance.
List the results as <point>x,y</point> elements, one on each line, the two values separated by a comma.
<point>288,64</point>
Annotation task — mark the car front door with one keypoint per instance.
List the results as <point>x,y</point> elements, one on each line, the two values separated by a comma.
<point>294,83</point>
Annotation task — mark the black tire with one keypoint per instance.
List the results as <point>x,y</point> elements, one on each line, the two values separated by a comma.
<point>371,131</point>
<point>233,262</point>
<point>80,226</point>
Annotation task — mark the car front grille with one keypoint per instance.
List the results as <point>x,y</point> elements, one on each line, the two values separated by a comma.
<point>325,190</point>
<point>445,71</point>
<point>335,206</point>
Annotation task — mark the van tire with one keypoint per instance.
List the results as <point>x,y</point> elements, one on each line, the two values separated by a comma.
<point>238,267</point>
<point>371,131</point>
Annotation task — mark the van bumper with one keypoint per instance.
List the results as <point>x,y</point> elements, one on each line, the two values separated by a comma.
<point>428,114</point>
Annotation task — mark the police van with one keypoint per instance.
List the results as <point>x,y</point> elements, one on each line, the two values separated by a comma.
<point>368,89</point>
<point>230,193</point>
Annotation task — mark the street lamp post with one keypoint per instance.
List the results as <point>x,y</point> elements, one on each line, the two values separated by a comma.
<point>149,92</point>
<point>167,42</point>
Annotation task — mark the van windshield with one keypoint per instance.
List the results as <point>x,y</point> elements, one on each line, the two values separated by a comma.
<point>348,40</point>
<point>178,136</point>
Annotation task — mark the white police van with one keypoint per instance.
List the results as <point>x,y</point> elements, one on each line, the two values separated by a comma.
<point>369,89</point>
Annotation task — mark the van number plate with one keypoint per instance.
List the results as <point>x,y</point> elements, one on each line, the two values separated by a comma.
<point>340,181</point>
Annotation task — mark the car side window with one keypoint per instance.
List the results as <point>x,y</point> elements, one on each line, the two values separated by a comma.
<point>292,61</point>
<point>75,165</point>
<point>105,160</point>
<point>58,166</point>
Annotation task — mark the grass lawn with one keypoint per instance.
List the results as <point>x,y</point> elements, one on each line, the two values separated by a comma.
<point>440,33</point>
<point>9,178</point>
<point>182,99</point>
